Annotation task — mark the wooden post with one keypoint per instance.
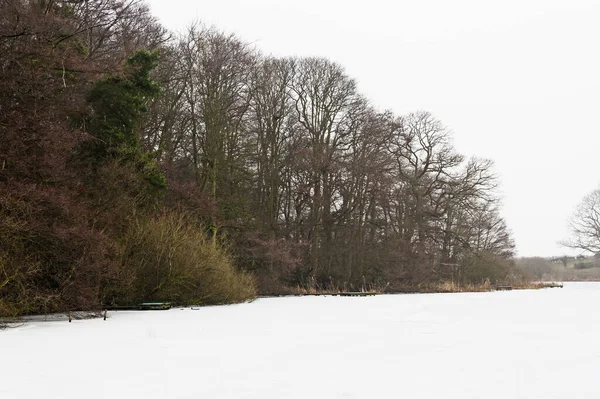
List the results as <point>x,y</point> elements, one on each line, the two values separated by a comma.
<point>70,316</point>
<point>105,312</point>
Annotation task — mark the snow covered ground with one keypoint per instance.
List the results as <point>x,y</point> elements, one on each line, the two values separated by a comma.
<point>519,344</point>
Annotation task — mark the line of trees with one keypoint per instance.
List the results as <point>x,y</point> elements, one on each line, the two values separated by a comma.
<point>312,184</point>
<point>120,141</point>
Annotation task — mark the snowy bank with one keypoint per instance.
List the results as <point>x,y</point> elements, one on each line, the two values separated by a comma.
<point>517,344</point>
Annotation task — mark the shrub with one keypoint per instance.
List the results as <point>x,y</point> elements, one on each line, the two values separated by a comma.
<point>173,260</point>
<point>585,265</point>
<point>51,259</point>
<point>481,266</point>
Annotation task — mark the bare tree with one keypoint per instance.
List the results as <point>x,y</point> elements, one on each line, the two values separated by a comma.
<point>272,124</point>
<point>585,224</point>
<point>325,98</point>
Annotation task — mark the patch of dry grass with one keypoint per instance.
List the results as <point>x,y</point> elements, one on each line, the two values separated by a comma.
<point>173,260</point>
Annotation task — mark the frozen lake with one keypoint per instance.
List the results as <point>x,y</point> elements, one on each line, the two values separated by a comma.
<point>521,344</point>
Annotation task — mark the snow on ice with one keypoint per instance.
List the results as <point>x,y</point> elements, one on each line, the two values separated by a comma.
<point>521,344</point>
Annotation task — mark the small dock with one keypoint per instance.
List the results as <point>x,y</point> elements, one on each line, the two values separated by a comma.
<point>340,294</point>
<point>552,285</point>
<point>143,306</point>
<point>154,306</point>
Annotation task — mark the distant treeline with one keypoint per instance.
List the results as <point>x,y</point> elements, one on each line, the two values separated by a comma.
<point>564,268</point>
<point>139,165</point>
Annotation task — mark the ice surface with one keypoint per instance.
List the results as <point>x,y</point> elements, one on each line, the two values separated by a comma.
<point>519,344</point>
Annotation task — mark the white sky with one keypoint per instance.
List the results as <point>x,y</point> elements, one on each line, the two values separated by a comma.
<point>517,81</point>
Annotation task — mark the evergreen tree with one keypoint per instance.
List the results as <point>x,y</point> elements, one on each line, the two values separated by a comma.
<point>119,104</point>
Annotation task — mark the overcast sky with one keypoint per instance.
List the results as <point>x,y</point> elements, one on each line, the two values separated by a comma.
<point>516,81</point>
